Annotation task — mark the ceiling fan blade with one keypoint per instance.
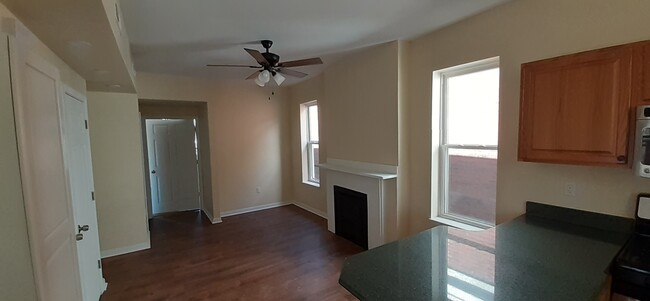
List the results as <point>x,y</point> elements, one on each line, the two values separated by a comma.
<point>293,73</point>
<point>254,75</point>
<point>257,56</point>
<point>240,66</point>
<point>305,62</point>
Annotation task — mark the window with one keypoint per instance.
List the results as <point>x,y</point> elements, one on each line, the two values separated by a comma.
<point>310,146</point>
<point>467,143</point>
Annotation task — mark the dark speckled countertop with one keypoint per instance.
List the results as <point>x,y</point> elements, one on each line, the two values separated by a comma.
<point>551,253</point>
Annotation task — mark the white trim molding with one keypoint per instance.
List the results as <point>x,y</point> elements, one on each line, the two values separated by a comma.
<point>125,250</point>
<point>311,209</point>
<point>379,171</point>
<point>253,209</point>
<point>210,217</point>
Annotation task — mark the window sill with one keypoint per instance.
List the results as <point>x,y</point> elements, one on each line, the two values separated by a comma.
<point>311,183</point>
<point>455,224</point>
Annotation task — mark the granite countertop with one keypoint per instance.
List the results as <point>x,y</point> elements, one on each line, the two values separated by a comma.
<point>550,253</point>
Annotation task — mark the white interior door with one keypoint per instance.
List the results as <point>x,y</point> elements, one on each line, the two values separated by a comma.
<point>173,165</point>
<point>76,145</point>
<point>49,211</point>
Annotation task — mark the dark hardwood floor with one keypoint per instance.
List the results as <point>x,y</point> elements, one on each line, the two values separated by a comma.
<point>284,253</point>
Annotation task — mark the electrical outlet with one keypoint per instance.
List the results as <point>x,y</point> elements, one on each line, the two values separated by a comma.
<point>570,189</point>
<point>257,189</point>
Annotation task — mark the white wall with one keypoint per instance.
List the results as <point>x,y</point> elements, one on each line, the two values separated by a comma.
<point>523,31</point>
<point>118,169</point>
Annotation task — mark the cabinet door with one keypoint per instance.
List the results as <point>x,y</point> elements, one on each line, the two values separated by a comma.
<point>645,82</point>
<point>575,108</point>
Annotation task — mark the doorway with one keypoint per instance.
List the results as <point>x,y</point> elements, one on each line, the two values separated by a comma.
<point>172,110</point>
<point>173,159</point>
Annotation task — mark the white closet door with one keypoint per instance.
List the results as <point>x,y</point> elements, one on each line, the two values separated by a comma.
<point>49,211</point>
<point>76,142</point>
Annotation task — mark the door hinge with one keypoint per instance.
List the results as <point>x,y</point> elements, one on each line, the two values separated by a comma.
<point>99,264</point>
<point>92,194</point>
<point>86,123</point>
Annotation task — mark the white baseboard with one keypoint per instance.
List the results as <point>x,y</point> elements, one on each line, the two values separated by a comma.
<point>253,209</point>
<point>125,250</point>
<point>211,218</point>
<point>311,209</point>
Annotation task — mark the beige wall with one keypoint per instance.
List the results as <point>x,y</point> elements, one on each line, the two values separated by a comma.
<point>518,32</point>
<point>360,111</point>
<point>16,275</point>
<point>358,99</point>
<point>306,195</point>
<point>118,169</point>
<point>400,131</point>
<point>246,134</point>
<point>27,41</point>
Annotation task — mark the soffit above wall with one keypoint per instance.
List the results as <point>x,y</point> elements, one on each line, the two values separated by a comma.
<point>80,33</point>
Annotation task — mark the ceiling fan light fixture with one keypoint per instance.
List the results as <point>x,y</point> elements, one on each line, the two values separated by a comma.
<point>265,76</point>
<point>270,65</point>
<point>259,82</point>
<point>278,78</point>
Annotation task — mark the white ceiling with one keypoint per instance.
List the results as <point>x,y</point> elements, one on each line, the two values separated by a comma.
<point>181,37</point>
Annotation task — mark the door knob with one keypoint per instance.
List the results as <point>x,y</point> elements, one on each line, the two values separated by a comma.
<point>82,228</point>
<point>79,237</point>
<point>153,171</point>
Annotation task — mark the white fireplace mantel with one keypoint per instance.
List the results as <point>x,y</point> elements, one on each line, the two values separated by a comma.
<point>377,181</point>
<point>358,171</point>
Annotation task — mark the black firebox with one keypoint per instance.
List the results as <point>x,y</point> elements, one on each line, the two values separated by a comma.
<point>351,215</point>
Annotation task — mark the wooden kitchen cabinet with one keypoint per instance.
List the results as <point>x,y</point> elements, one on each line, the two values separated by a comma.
<point>577,109</point>
<point>644,57</point>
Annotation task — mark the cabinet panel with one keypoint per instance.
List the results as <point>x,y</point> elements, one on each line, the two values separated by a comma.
<point>645,85</point>
<point>575,108</point>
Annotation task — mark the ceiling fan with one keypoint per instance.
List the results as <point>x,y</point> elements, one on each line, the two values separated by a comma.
<point>270,66</point>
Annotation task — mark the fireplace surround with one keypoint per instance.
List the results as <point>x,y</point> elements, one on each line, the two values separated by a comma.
<point>378,182</point>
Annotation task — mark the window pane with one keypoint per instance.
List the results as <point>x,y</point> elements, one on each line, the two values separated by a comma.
<point>472,184</point>
<point>473,108</point>
<point>313,123</point>
<point>314,170</point>
<point>314,175</point>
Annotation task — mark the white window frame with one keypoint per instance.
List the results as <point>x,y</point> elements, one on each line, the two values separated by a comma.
<point>440,203</point>
<point>307,144</point>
